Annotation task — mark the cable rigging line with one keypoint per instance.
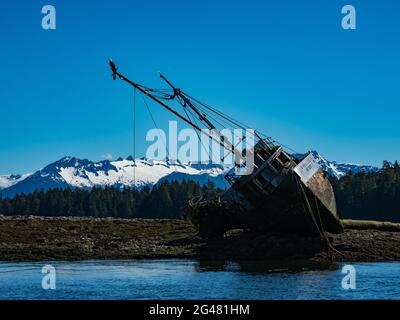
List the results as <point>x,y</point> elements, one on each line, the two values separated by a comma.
<point>212,154</point>
<point>134,152</point>
<point>158,128</point>
<point>220,113</point>
<point>234,121</point>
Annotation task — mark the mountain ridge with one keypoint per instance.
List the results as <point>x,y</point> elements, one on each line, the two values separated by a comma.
<point>82,173</point>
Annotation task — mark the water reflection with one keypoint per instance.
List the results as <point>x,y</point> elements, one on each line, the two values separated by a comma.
<point>257,266</point>
<point>192,279</point>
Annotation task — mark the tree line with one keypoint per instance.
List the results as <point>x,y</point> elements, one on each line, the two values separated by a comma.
<point>370,196</point>
<point>165,200</point>
<point>364,196</point>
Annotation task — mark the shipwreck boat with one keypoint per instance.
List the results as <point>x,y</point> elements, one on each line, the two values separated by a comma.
<point>283,193</point>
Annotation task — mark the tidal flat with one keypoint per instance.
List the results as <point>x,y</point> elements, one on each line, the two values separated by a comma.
<point>31,238</point>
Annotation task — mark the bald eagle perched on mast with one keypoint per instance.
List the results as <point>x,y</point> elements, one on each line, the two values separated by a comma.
<point>113,69</point>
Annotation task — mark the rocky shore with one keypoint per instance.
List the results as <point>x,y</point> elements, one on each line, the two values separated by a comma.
<point>25,238</point>
<point>65,238</point>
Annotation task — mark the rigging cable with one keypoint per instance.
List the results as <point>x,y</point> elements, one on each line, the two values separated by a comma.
<point>165,143</point>
<point>158,128</point>
<point>212,155</point>
<point>234,121</point>
<point>320,227</point>
<point>134,152</point>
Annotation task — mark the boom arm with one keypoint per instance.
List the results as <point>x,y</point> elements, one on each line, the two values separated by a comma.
<point>223,141</point>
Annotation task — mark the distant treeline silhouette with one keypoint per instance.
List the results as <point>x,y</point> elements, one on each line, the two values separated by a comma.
<point>370,196</point>
<point>165,200</point>
<point>374,196</point>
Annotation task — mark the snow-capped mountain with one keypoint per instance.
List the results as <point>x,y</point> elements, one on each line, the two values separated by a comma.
<point>78,173</point>
<point>339,170</point>
<point>11,179</point>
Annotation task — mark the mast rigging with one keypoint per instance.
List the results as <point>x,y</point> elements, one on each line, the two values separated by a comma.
<point>186,102</point>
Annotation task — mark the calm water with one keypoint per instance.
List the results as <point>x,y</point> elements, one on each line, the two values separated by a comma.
<point>188,279</point>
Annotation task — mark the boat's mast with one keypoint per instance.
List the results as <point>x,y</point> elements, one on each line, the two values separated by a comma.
<point>222,142</point>
<point>187,101</point>
<point>137,86</point>
<point>228,145</point>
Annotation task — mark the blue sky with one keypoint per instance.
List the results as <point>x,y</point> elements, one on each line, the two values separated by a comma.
<point>285,67</point>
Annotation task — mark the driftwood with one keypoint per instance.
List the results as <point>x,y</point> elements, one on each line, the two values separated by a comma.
<point>370,225</point>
